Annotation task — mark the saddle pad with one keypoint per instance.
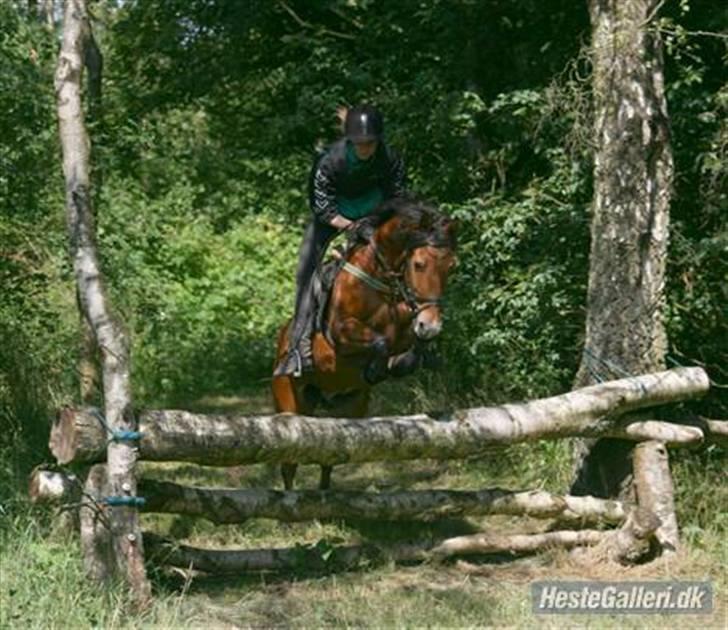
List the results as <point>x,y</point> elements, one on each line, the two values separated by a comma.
<point>323,282</point>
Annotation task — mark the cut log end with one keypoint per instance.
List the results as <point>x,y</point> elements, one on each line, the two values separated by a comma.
<point>64,436</point>
<point>46,486</point>
<point>78,435</point>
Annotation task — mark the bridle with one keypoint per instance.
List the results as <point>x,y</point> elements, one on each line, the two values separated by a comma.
<point>395,284</point>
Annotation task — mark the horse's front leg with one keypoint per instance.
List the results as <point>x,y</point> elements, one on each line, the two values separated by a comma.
<point>350,406</point>
<point>354,337</point>
<point>403,364</point>
<point>421,355</point>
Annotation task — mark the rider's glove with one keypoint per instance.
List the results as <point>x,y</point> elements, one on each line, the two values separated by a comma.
<point>362,230</point>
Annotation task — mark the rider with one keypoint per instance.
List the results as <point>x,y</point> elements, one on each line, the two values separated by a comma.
<point>350,179</point>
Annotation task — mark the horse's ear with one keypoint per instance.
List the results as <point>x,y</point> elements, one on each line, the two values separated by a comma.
<point>447,224</point>
<point>426,221</point>
<point>448,228</point>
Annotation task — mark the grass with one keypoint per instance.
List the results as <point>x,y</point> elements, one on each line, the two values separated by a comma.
<point>42,583</point>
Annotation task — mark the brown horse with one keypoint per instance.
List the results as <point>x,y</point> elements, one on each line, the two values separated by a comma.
<point>384,304</point>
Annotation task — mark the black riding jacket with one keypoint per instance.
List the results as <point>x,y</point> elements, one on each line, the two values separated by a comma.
<point>333,178</point>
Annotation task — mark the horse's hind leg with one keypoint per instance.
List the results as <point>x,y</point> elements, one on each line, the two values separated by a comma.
<point>285,399</point>
<point>288,472</point>
<point>325,482</point>
<point>354,406</point>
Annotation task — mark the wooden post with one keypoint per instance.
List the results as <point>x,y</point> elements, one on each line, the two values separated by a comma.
<point>654,488</point>
<point>118,417</point>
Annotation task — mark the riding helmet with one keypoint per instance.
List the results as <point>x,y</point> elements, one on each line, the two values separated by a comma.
<point>364,123</point>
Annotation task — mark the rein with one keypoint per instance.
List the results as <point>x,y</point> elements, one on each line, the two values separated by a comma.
<point>397,287</point>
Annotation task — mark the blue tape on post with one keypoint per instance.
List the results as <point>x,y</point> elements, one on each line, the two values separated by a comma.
<point>126,436</point>
<point>117,436</point>
<point>125,501</point>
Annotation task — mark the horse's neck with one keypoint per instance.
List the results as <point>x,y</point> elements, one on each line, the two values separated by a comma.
<point>384,249</point>
<point>364,258</point>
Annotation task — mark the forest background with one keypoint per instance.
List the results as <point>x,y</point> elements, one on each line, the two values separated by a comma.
<point>209,120</point>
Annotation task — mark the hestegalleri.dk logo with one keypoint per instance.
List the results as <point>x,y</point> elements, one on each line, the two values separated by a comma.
<point>622,597</point>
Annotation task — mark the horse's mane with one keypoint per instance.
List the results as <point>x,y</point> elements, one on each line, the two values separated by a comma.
<point>422,222</point>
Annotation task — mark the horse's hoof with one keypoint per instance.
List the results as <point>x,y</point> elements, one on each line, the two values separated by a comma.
<point>374,374</point>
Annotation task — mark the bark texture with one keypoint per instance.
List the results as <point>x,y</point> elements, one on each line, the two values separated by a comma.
<point>113,346</point>
<point>78,435</point>
<point>88,368</point>
<point>225,506</point>
<point>653,485</point>
<point>98,547</point>
<point>47,486</point>
<point>717,431</point>
<point>633,172</point>
<point>63,490</point>
<point>515,543</point>
<point>317,557</point>
<point>628,544</point>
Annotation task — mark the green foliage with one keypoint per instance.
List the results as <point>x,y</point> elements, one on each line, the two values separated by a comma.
<point>37,311</point>
<point>524,256</point>
<point>211,111</point>
<point>204,185</point>
<point>203,305</point>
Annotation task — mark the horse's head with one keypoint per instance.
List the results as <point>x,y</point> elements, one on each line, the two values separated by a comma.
<point>426,271</point>
<point>425,240</point>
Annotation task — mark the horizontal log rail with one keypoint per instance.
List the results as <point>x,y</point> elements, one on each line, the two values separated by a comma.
<point>226,506</point>
<point>617,545</point>
<point>79,436</point>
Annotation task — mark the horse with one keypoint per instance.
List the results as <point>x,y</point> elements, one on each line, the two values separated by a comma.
<point>384,306</point>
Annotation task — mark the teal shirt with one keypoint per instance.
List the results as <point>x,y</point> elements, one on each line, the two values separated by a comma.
<point>358,207</point>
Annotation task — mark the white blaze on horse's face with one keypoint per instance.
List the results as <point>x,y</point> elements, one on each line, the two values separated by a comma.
<point>426,276</point>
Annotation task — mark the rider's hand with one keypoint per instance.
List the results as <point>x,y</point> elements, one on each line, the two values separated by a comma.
<point>362,230</point>
<point>341,223</point>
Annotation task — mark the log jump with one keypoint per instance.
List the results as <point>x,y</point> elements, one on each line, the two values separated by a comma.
<point>612,409</point>
<point>79,435</point>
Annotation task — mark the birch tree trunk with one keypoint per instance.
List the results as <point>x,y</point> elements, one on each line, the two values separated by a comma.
<point>88,368</point>
<point>632,185</point>
<point>122,455</point>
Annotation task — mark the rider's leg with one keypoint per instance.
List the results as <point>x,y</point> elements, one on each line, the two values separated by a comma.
<point>315,240</point>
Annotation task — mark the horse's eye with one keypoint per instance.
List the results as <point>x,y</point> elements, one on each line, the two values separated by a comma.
<point>419,265</point>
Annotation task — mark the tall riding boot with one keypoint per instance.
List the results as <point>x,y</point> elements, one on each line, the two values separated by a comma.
<point>300,353</point>
<point>300,356</point>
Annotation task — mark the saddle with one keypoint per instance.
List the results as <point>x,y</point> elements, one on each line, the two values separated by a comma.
<point>322,284</point>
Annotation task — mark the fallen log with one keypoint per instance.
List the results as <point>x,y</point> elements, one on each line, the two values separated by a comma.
<point>302,557</point>
<point>515,543</point>
<point>78,435</point>
<point>227,506</point>
<point>235,506</point>
<point>59,488</point>
<point>717,432</point>
<point>51,486</point>
<point>324,556</point>
<point>656,431</point>
<point>627,544</point>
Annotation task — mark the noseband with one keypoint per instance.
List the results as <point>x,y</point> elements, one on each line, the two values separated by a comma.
<point>395,286</point>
